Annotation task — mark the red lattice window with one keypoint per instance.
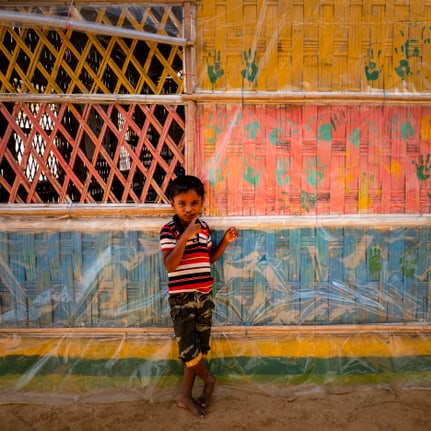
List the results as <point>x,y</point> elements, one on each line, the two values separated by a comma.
<point>95,117</point>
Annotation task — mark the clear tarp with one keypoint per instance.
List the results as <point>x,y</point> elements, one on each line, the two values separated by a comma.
<point>272,276</point>
<point>84,309</point>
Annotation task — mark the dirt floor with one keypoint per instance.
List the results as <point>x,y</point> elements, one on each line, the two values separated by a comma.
<point>239,408</point>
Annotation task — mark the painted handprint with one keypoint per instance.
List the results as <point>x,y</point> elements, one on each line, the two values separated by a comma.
<point>252,174</point>
<point>214,125</point>
<point>403,69</point>
<point>215,174</point>
<point>371,71</point>
<point>276,136</point>
<point>403,126</point>
<point>215,71</point>
<point>375,263</point>
<point>252,128</point>
<point>423,168</point>
<point>308,200</point>
<point>282,171</point>
<point>251,69</point>
<point>314,172</point>
<point>408,265</point>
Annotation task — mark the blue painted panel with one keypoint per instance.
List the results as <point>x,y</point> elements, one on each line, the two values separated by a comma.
<point>279,277</point>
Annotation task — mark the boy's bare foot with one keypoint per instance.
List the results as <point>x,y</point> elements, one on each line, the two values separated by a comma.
<point>190,404</point>
<point>205,399</point>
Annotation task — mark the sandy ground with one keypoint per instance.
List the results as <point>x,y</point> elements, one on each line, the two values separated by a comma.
<point>239,408</point>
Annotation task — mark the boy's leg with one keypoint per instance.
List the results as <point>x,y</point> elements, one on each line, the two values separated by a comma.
<point>186,400</point>
<point>192,321</point>
<point>183,313</point>
<point>209,383</point>
<point>203,326</point>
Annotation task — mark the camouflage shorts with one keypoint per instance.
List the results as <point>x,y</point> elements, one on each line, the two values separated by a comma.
<point>191,315</point>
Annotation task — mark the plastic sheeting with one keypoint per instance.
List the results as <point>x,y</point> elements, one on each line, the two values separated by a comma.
<point>278,276</point>
<point>278,293</point>
<point>124,365</point>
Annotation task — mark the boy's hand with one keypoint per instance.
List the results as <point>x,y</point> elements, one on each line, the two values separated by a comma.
<point>194,228</point>
<point>231,234</point>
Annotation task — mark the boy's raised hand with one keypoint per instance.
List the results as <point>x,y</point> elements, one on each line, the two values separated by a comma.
<point>231,234</point>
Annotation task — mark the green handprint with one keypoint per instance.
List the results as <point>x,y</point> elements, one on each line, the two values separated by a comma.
<point>408,265</point>
<point>215,174</point>
<point>403,70</point>
<point>252,128</point>
<point>282,171</point>
<point>308,200</point>
<point>276,136</point>
<point>252,175</point>
<point>423,168</point>
<point>214,70</point>
<point>314,172</point>
<point>371,71</point>
<point>251,69</point>
<point>216,126</point>
<point>324,133</point>
<point>375,263</point>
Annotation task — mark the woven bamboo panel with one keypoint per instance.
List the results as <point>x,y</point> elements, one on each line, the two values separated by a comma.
<point>89,153</point>
<point>307,45</point>
<point>35,59</point>
<point>314,160</point>
<point>284,276</point>
<point>79,279</point>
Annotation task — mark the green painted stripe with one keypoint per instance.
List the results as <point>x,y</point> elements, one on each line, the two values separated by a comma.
<point>269,366</point>
<point>294,345</point>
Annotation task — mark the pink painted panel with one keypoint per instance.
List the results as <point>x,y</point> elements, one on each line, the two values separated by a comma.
<point>292,160</point>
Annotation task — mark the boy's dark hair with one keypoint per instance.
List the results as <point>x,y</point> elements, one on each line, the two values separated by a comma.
<point>183,184</point>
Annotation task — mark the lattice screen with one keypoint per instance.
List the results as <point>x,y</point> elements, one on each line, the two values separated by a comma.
<point>88,151</point>
<point>91,153</point>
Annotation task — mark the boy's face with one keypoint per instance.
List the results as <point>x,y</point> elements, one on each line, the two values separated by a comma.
<point>187,206</point>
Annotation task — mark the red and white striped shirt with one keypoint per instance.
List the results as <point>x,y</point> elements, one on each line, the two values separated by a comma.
<point>194,271</point>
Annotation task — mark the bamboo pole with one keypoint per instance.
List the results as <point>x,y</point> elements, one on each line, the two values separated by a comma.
<point>11,3</point>
<point>250,331</point>
<point>258,97</point>
<point>310,97</point>
<point>189,50</point>
<point>64,217</point>
<point>20,18</point>
<point>171,99</point>
<point>190,137</point>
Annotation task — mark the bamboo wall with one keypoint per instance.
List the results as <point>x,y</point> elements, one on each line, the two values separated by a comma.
<point>267,157</point>
<point>309,123</point>
<point>276,276</point>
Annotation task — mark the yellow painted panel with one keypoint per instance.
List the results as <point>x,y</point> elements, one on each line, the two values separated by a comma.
<point>316,46</point>
<point>157,348</point>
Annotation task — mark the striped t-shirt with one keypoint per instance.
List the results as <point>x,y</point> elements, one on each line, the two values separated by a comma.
<point>194,271</point>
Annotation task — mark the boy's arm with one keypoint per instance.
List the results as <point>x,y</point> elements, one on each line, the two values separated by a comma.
<point>229,236</point>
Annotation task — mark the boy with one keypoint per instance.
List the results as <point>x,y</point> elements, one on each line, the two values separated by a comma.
<point>188,252</point>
